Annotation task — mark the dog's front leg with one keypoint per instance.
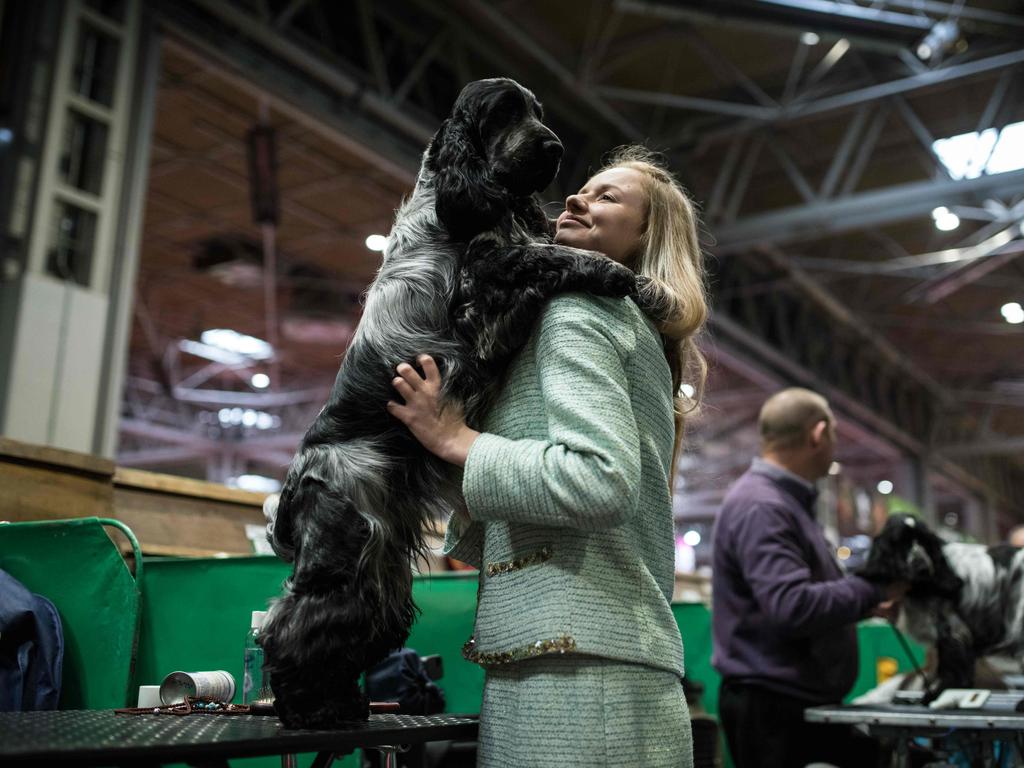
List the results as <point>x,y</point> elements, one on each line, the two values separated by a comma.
<point>501,293</point>
<point>955,648</point>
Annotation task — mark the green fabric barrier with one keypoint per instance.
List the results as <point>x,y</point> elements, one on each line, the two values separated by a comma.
<point>75,565</point>
<point>197,611</point>
<point>195,615</point>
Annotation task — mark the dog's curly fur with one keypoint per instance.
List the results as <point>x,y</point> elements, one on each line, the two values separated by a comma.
<point>965,599</point>
<point>468,267</point>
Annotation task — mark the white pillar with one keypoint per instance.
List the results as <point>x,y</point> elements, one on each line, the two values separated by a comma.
<point>66,307</point>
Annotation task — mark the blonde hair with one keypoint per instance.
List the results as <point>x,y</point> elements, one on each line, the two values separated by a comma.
<point>671,258</point>
<point>786,417</point>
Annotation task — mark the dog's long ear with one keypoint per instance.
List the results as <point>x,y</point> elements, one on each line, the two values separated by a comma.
<point>529,212</point>
<point>945,581</point>
<point>469,201</point>
<point>885,562</point>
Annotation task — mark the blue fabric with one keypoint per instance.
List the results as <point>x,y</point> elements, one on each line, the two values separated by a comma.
<point>401,677</point>
<point>31,649</point>
<point>783,614</point>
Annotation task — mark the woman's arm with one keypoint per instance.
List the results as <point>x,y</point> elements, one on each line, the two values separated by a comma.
<point>441,430</point>
<point>586,473</point>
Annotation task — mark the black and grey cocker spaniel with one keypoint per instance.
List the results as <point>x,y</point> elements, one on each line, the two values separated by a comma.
<point>964,599</point>
<point>468,267</point>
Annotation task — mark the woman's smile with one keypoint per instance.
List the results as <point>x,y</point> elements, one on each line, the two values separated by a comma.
<point>568,220</point>
<point>607,215</point>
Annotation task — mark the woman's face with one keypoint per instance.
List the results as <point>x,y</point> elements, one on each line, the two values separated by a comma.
<point>607,215</point>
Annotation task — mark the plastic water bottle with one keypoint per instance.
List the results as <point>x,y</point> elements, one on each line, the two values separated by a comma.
<point>255,686</point>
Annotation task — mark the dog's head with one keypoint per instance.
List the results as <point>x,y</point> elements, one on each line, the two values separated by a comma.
<point>906,550</point>
<point>492,149</point>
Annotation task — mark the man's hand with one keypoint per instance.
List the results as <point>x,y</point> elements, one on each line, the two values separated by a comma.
<point>441,430</point>
<point>896,591</point>
<point>889,609</point>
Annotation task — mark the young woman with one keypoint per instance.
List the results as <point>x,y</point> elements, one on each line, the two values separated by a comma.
<point>568,503</point>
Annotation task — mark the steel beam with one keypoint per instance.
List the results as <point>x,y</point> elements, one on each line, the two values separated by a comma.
<point>867,209</point>
<point>963,13</point>
<point>991,447</point>
<point>218,398</point>
<point>343,86</point>
<point>960,276</point>
<point>799,110</point>
<point>678,101</point>
<point>842,156</point>
<point>878,29</point>
<point>504,28</point>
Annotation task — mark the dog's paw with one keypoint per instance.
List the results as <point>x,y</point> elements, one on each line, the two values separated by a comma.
<point>620,280</point>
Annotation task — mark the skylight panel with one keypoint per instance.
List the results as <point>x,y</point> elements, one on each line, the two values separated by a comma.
<point>969,155</point>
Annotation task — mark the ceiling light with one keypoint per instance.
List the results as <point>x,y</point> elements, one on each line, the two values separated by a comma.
<point>260,380</point>
<point>687,390</point>
<point>376,242</point>
<point>211,353</point>
<point>1012,312</point>
<point>691,538</point>
<point>239,343</point>
<point>939,40</point>
<point>945,219</point>
<point>257,483</point>
<point>810,38</point>
<point>884,487</point>
<point>834,468</point>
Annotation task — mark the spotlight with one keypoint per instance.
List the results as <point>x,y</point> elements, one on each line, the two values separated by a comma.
<point>260,380</point>
<point>940,40</point>
<point>376,242</point>
<point>834,468</point>
<point>1012,312</point>
<point>810,38</point>
<point>691,538</point>
<point>687,390</point>
<point>945,219</point>
<point>884,487</point>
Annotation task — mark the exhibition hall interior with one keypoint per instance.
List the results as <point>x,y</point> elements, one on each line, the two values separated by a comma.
<point>226,245</point>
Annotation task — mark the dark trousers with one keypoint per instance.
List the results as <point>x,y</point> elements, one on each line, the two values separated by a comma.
<point>765,729</point>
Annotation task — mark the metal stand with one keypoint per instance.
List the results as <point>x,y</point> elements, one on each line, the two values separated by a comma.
<point>391,753</point>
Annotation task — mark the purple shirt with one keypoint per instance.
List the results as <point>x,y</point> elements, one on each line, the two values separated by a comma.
<point>783,614</point>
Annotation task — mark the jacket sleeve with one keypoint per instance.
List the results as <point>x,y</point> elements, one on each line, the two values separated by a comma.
<point>464,539</point>
<point>774,565</point>
<point>586,473</point>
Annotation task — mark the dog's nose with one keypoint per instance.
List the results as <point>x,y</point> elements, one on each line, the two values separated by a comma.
<point>553,149</point>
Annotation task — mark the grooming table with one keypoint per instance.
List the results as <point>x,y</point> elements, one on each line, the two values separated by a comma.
<point>963,729</point>
<point>99,737</point>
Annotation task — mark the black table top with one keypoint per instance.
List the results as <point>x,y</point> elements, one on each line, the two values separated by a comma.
<point>94,737</point>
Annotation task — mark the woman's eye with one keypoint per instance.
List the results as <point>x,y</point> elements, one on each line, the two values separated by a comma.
<point>606,196</point>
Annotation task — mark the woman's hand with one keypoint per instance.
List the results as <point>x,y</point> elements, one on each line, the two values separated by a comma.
<point>441,430</point>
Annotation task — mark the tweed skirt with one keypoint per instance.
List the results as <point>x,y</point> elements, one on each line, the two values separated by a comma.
<point>583,711</point>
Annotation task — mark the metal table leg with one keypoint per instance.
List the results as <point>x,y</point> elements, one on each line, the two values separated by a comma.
<point>391,752</point>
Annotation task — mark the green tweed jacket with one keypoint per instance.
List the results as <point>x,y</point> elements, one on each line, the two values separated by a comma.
<point>567,491</point>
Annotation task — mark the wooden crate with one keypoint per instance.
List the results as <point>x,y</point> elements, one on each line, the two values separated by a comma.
<point>169,515</point>
<point>42,483</point>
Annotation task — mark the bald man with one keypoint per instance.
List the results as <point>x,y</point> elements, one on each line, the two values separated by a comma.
<point>783,614</point>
